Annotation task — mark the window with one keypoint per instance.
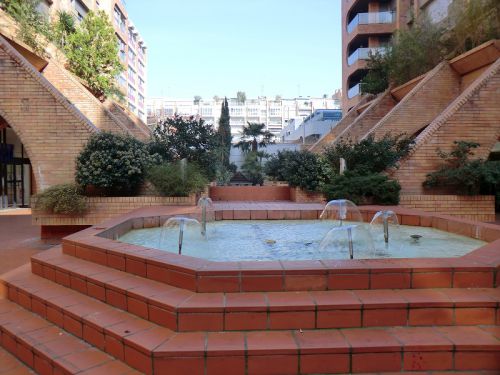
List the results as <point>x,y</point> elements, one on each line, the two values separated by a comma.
<point>253,112</point>
<point>131,106</point>
<point>141,84</point>
<point>275,112</point>
<point>141,101</point>
<point>121,48</point>
<point>131,93</point>
<point>131,74</point>
<point>80,9</point>
<point>141,68</point>
<point>140,113</point>
<point>236,111</point>
<point>119,19</point>
<point>131,57</point>
<point>122,81</point>
<point>206,111</point>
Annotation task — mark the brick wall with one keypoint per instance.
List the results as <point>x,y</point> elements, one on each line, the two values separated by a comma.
<point>383,104</point>
<point>422,104</point>
<point>52,130</point>
<point>71,87</point>
<point>480,207</point>
<point>249,193</point>
<point>472,116</point>
<point>103,208</point>
<point>134,123</point>
<point>301,196</point>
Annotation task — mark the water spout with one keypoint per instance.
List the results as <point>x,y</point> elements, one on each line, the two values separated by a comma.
<point>182,223</point>
<point>341,210</point>
<point>204,202</point>
<point>351,246</point>
<point>387,219</point>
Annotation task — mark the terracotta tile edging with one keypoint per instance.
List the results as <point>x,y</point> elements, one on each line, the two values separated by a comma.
<point>98,244</point>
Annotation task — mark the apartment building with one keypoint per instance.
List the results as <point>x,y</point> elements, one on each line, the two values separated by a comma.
<point>132,48</point>
<point>275,113</point>
<point>368,26</point>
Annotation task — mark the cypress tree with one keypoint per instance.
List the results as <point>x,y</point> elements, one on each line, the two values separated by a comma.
<point>224,133</point>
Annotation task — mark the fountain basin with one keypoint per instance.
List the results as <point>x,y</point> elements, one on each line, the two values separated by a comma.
<point>268,240</point>
<point>478,268</point>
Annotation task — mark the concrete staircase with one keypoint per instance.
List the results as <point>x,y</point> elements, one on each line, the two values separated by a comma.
<point>69,315</point>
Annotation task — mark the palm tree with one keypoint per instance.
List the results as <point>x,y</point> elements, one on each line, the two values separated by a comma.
<point>254,135</point>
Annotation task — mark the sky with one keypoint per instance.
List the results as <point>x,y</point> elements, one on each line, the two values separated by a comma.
<point>219,47</point>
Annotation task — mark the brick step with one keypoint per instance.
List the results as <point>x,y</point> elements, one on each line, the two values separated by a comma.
<point>152,349</point>
<point>10,365</point>
<point>47,349</point>
<point>182,310</point>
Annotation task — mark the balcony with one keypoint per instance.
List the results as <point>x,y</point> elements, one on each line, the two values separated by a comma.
<point>364,54</point>
<point>370,18</point>
<point>354,91</point>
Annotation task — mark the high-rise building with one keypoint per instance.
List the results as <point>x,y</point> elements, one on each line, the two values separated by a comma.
<point>275,113</point>
<point>367,26</point>
<point>132,48</point>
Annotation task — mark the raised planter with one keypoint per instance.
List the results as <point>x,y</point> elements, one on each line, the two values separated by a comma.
<point>475,207</point>
<point>103,208</point>
<point>302,196</point>
<point>250,193</point>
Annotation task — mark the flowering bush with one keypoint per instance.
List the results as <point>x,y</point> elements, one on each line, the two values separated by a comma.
<point>113,163</point>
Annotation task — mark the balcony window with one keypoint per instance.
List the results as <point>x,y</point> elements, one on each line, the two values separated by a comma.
<point>131,57</point>
<point>131,93</point>
<point>364,54</point>
<point>354,91</point>
<point>121,48</point>
<point>370,18</point>
<point>141,84</point>
<point>131,75</point>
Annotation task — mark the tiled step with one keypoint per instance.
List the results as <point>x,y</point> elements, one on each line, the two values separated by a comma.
<point>10,365</point>
<point>181,310</point>
<point>118,333</point>
<point>152,349</point>
<point>47,349</point>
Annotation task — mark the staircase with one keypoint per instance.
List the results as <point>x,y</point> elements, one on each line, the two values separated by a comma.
<point>68,315</point>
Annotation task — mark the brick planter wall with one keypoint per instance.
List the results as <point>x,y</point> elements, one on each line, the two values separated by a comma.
<point>103,208</point>
<point>250,193</point>
<point>301,196</point>
<point>479,207</point>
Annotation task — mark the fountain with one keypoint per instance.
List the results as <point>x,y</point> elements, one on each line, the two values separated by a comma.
<point>345,240</point>
<point>181,222</point>
<point>204,202</point>
<point>387,219</point>
<point>341,210</point>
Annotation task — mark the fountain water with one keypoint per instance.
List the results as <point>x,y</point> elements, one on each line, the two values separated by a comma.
<point>182,223</point>
<point>341,210</point>
<point>386,219</point>
<point>346,239</point>
<point>204,203</point>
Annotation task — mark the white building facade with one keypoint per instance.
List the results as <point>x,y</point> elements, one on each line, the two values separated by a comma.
<point>275,113</point>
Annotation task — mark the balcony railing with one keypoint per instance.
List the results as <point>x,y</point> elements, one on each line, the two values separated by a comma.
<point>370,18</point>
<point>364,54</point>
<point>354,91</point>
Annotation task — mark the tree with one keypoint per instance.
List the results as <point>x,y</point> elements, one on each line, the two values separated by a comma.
<point>197,99</point>
<point>252,167</point>
<point>241,97</point>
<point>63,28</point>
<point>254,135</point>
<point>224,134</point>
<point>92,53</point>
<point>188,138</point>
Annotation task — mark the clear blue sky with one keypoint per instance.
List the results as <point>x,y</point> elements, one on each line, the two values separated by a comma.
<point>219,47</point>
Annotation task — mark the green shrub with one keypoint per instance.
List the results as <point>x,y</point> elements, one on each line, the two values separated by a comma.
<point>174,180</point>
<point>369,155</point>
<point>363,189</point>
<point>114,163</point>
<point>464,175</point>
<point>252,167</point>
<point>302,169</point>
<point>64,199</point>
